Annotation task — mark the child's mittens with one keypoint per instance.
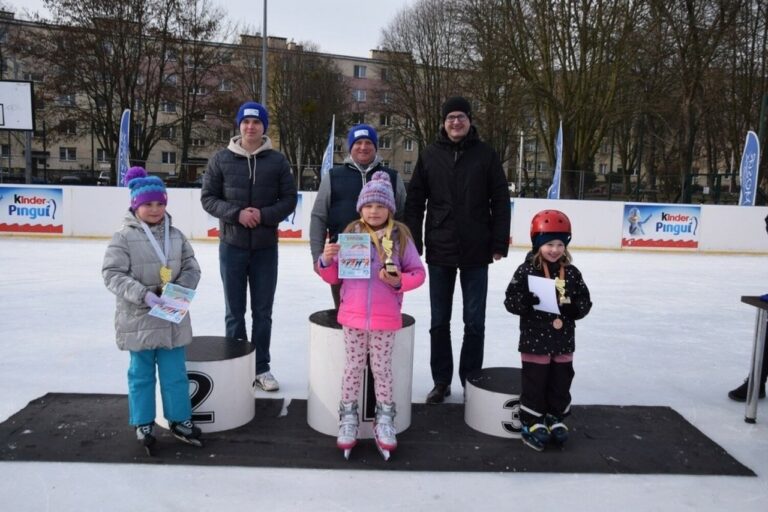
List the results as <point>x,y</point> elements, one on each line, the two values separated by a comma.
<point>570,311</point>
<point>151,300</point>
<point>529,299</point>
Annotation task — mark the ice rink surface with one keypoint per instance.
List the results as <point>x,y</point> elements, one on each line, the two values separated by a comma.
<point>666,329</point>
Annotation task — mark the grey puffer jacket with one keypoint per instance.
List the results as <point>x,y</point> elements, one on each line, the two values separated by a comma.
<point>132,268</point>
<point>236,179</point>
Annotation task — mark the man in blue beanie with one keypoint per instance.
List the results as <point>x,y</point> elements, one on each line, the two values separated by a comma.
<point>336,201</point>
<point>249,187</point>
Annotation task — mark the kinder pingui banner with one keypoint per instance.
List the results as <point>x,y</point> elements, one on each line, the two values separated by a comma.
<point>30,210</point>
<point>661,226</point>
<point>290,227</point>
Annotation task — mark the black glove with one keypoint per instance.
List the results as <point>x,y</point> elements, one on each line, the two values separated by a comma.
<point>529,299</point>
<point>569,311</point>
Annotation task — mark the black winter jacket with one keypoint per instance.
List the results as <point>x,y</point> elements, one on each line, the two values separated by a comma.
<point>537,332</point>
<point>467,202</point>
<point>234,181</point>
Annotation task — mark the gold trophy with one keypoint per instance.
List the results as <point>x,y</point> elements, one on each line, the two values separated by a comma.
<point>389,265</point>
<point>560,287</point>
<point>557,323</point>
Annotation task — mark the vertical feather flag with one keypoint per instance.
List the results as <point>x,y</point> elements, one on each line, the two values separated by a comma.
<point>554,189</point>
<point>750,164</point>
<point>328,155</point>
<point>123,148</point>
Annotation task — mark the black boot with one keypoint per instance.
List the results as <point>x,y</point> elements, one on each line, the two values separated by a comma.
<point>438,394</point>
<point>740,393</point>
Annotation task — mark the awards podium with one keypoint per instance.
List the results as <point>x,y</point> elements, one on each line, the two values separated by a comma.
<point>221,375</point>
<point>326,369</point>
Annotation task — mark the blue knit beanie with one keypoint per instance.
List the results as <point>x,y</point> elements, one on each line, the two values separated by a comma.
<point>144,189</point>
<point>254,110</point>
<point>362,131</point>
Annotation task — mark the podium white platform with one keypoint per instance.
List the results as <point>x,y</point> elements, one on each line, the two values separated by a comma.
<point>326,370</point>
<point>492,402</point>
<point>221,375</point>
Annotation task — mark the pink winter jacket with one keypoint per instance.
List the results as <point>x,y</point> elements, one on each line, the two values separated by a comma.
<point>372,304</point>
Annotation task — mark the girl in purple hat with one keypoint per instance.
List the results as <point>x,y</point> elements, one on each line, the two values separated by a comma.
<point>143,256</point>
<point>370,308</point>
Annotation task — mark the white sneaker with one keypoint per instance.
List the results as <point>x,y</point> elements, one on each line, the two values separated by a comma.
<point>267,382</point>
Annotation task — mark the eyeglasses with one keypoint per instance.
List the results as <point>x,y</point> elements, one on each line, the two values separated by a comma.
<point>452,118</point>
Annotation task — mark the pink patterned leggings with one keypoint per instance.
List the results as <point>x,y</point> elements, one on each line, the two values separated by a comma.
<point>358,343</point>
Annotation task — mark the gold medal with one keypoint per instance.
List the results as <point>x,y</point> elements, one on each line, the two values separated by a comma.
<point>165,275</point>
<point>557,323</point>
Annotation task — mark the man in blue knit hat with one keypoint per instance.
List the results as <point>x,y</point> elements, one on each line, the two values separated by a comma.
<point>249,187</point>
<point>335,204</point>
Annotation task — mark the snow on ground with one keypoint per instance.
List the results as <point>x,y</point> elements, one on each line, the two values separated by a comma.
<point>666,329</point>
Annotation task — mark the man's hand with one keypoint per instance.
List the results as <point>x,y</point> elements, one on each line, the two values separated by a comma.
<point>249,217</point>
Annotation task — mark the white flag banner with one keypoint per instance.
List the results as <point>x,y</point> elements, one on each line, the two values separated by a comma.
<point>554,189</point>
<point>328,155</point>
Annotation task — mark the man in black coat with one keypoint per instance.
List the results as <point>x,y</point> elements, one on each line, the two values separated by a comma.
<point>460,181</point>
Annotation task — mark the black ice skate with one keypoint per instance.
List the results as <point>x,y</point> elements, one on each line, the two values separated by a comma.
<point>557,429</point>
<point>536,436</point>
<point>187,432</point>
<point>146,436</point>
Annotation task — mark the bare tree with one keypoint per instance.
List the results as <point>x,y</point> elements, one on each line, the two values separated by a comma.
<point>306,90</point>
<point>197,64</point>
<point>571,54</point>
<point>426,64</point>
<point>113,55</point>
<point>696,29</point>
<point>494,85</point>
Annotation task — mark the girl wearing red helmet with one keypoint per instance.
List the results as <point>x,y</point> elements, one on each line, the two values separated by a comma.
<point>547,340</point>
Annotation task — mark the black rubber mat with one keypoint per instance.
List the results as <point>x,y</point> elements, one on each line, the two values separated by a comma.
<point>604,439</point>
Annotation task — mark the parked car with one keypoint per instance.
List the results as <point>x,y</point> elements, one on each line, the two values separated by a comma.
<point>70,180</point>
<point>104,178</point>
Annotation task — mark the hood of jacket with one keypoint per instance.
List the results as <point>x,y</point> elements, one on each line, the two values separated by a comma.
<point>235,146</point>
<point>363,169</point>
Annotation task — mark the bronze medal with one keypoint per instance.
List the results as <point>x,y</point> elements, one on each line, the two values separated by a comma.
<point>557,323</point>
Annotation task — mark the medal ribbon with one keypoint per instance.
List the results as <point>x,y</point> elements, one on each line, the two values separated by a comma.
<point>163,256</point>
<point>375,237</point>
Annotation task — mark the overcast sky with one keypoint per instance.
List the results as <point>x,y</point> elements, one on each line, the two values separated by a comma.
<point>344,27</point>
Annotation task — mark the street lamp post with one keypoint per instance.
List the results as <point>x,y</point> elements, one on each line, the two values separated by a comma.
<point>264,59</point>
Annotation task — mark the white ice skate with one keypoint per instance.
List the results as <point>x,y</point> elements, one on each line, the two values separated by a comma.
<point>348,422</point>
<point>384,429</point>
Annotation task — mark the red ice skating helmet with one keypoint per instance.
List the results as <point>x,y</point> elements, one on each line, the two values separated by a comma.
<point>548,225</point>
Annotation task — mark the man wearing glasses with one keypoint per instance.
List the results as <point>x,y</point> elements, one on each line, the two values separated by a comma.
<point>460,181</point>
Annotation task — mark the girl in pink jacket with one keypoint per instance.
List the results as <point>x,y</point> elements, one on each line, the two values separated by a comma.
<point>370,309</point>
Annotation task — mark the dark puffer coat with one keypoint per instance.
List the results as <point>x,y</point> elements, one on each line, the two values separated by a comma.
<point>537,332</point>
<point>235,180</point>
<point>467,201</point>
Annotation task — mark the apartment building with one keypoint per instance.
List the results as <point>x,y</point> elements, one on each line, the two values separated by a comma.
<point>69,150</point>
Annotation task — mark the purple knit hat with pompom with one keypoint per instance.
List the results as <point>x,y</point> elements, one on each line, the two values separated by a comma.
<point>144,189</point>
<point>378,190</point>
